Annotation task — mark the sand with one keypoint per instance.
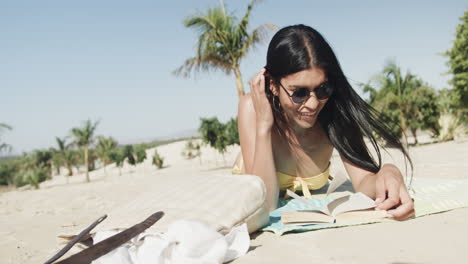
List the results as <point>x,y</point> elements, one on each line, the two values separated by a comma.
<point>31,219</point>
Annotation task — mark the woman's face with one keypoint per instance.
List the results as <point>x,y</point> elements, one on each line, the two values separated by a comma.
<point>304,115</point>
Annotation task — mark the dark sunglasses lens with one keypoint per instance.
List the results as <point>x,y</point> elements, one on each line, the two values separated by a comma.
<point>300,95</point>
<point>323,91</point>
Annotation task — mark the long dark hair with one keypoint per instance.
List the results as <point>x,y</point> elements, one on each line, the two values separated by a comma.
<point>346,118</point>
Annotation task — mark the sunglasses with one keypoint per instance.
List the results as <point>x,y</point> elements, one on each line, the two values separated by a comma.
<point>301,95</point>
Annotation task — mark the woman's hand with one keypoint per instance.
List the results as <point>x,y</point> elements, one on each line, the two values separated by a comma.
<point>391,191</point>
<point>264,114</point>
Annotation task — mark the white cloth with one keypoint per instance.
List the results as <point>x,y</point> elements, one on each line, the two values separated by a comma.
<point>185,242</point>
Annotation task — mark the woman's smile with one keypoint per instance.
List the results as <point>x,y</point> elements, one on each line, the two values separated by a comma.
<point>306,115</point>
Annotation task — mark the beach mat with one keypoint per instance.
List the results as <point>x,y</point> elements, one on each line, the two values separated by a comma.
<point>430,196</point>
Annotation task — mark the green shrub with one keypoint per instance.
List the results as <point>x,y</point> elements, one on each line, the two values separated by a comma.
<point>128,153</point>
<point>8,169</point>
<point>31,176</point>
<point>140,153</point>
<point>451,126</point>
<point>192,149</point>
<point>158,161</point>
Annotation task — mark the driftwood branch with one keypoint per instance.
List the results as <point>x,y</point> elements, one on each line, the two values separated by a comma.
<point>75,240</point>
<point>100,249</point>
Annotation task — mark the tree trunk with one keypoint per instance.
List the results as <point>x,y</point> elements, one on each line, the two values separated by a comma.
<point>403,127</point>
<point>413,131</point>
<point>239,84</point>
<point>70,170</point>
<point>86,163</point>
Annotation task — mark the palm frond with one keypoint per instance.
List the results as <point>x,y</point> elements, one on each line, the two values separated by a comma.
<point>409,82</point>
<point>62,144</point>
<point>221,41</point>
<point>258,36</point>
<point>200,22</point>
<point>202,64</point>
<point>4,126</point>
<point>5,147</point>
<point>243,24</point>
<point>85,136</point>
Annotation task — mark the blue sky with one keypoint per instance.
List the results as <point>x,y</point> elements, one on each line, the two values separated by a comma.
<point>62,62</point>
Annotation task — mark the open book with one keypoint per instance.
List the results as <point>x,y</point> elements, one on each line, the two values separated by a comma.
<point>346,209</point>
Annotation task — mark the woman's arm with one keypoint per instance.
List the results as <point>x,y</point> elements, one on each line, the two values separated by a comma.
<point>386,186</point>
<point>255,138</point>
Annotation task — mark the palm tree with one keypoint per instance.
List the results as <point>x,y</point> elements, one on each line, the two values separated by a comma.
<point>65,155</point>
<point>104,148</point>
<point>118,157</point>
<point>3,146</point>
<point>400,86</point>
<point>395,89</point>
<point>84,138</point>
<point>43,159</point>
<point>57,160</point>
<point>221,42</point>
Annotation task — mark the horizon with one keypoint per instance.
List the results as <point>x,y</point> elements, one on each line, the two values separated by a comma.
<point>63,63</point>
<point>161,141</point>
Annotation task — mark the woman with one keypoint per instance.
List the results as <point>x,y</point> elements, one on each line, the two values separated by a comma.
<point>301,107</point>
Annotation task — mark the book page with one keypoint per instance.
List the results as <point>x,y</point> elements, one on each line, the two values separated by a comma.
<point>305,217</point>
<point>359,216</point>
<point>357,201</point>
<point>337,202</point>
<point>305,201</point>
<point>337,181</point>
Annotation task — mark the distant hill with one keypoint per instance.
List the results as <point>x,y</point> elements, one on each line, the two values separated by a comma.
<point>184,134</point>
<point>7,157</point>
<point>151,141</point>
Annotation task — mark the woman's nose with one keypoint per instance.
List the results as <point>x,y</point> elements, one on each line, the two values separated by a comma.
<point>312,103</point>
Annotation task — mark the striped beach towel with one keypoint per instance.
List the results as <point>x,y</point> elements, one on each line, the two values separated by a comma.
<point>430,196</point>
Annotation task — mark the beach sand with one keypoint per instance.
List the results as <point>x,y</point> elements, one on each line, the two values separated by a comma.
<point>30,220</point>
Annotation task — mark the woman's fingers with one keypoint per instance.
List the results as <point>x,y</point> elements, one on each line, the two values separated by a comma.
<point>260,82</point>
<point>398,201</point>
<point>257,87</point>
<point>393,187</point>
<point>261,104</point>
<point>406,209</point>
<point>402,212</point>
<point>380,191</point>
<point>255,82</point>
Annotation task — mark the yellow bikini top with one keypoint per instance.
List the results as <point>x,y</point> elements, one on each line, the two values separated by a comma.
<point>290,182</point>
